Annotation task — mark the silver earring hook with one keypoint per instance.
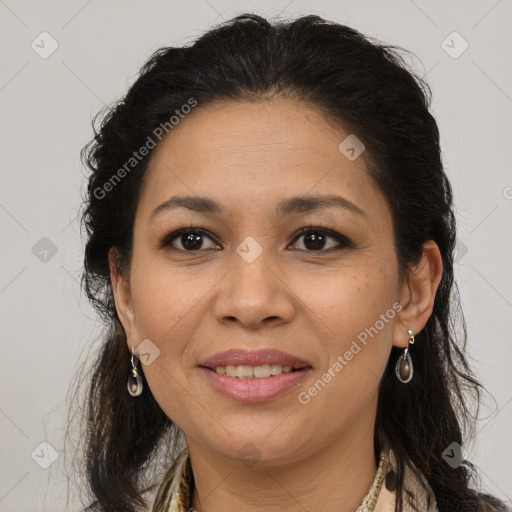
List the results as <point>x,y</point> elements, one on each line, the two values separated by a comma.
<point>411,341</point>
<point>134,368</point>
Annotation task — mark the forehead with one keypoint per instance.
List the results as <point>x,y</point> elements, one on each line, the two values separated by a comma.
<point>241,130</point>
<point>248,153</point>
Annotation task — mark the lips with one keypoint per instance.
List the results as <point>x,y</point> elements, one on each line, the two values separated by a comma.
<point>237,357</point>
<point>255,390</point>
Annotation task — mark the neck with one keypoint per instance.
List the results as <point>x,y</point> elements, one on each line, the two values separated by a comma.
<point>334,478</point>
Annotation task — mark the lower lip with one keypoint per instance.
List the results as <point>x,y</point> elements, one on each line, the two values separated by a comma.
<point>254,390</point>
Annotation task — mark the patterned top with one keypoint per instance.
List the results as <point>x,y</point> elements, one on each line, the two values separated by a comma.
<point>175,491</point>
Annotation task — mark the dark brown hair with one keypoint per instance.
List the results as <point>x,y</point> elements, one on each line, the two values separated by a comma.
<point>358,83</point>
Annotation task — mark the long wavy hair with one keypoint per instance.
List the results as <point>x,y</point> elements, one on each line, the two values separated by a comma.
<point>365,87</point>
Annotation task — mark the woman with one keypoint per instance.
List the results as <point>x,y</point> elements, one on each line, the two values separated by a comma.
<point>270,240</point>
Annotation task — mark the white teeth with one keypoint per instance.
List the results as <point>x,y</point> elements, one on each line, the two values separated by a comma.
<point>244,372</point>
<point>262,372</point>
<point>230,371</point>
<point>253,372</point>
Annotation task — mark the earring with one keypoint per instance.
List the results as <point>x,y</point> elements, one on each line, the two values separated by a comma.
<point>134,384</point>
<point>403,368</point>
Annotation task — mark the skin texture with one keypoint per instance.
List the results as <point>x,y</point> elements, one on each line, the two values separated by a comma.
<point>312,304</point>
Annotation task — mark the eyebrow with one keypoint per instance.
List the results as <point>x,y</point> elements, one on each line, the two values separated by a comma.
<point>296,204</point>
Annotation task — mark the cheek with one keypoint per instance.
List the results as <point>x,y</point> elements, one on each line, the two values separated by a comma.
<point>163,293</point>
<point>166,303</point>
<point>355,309</point>
<point>353,298</point>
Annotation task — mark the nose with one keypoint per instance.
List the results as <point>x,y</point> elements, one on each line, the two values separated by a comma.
<point>254,295</point>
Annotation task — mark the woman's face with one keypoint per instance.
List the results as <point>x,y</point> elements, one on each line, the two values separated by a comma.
<point>251,281</point>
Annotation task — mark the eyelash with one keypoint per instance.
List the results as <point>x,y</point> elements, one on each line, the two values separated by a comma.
<point>343,241</point>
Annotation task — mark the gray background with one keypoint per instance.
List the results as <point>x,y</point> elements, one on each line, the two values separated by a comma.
<point>47,105</point>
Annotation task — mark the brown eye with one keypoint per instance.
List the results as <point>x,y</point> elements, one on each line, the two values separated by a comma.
<point>315,239</point>
<point>190,239</point>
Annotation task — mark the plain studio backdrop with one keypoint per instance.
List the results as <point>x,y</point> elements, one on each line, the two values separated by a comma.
<point>63,61</point>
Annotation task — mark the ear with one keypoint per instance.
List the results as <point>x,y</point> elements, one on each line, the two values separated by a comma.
<point>121,289</point>
<point>418,294</point>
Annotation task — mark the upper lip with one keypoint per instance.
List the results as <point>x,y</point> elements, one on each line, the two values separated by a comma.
<point>237,357</point>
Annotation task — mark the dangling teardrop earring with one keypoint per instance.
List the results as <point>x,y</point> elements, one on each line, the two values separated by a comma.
<point>404,369</point>
<point>134,384</point>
